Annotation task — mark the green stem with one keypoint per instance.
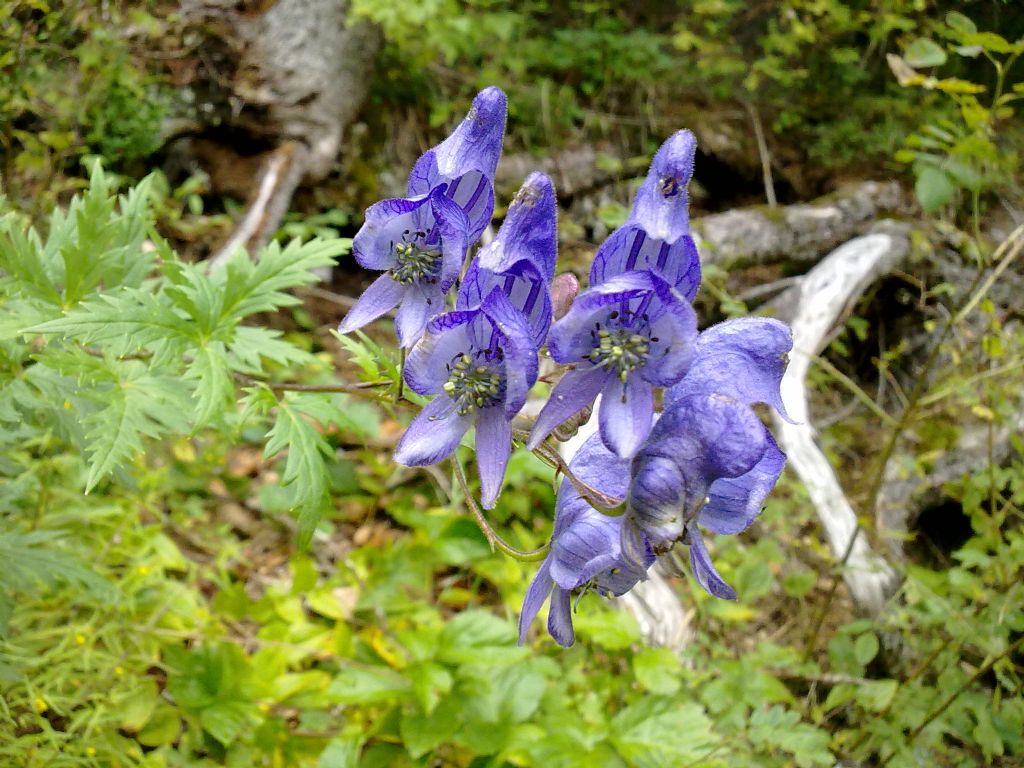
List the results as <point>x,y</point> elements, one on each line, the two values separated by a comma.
<point>495,541</point>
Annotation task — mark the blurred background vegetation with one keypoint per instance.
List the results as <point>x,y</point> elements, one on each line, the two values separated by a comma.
<point>169,617</point>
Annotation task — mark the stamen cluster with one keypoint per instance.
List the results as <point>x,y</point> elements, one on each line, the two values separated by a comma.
<point>472,387</point>
<point>620,350</point>
<point>415,264</point>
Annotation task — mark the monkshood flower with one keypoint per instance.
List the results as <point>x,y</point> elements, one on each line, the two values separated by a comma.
<point>657,234</point>
<point>479,363</point>
<point>626,336</point>
<point>710,461</point>
<point>420,242</point>
<point>521,258</point>
<point>585,546</point>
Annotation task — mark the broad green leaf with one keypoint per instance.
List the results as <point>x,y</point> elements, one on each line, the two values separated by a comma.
<point>658,731</point>
<point>865,648</point>
<point>776,728</point>
<point>876,695</point>
<point>923,52</point>
<point>424,732</point>
<point>368,685</point>
<point>960,23</point>
<point>657,670</point>
<point>227,720</point>
<point>609,629</point>
<point>430,681</point>
<point>933,188</point>
<point>342,752</point>
<point>162,728</point>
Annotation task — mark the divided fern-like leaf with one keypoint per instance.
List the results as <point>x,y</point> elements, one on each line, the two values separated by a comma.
<point>260,287</point>
<point>305,467</point>
<point>139,405</point>
<point>215,389</point>
<point>124,322</point>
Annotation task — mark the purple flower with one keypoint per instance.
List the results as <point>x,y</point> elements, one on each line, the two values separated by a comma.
<point>585,546</point>
<point>626,336</point>
<point>521,258</point>
<point>656,235</point>
<point>710,461</point>
<point>480,363</point>
<point>420,242</point>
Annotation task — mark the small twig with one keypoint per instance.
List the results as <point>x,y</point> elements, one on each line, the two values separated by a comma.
<point>493,539</point>
<point>853,388</point>
<point>602,502</point>
<point>762,150</point>
<point>322,293</point>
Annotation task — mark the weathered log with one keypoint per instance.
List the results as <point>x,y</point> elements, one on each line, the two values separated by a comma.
<point>798,233</point>
<point>574,170</point>
<point>815,306</point>
<point>297,72</point>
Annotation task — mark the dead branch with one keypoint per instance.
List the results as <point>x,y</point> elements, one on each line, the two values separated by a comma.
<point>820,300</point>
<point>799,233</point>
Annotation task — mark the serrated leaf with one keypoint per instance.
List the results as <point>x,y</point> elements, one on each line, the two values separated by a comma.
<point>305,469</point>
<point>658,731</point>
<point>777,728</point>
<point>260,287</point>
<point>250,346</point>
<point>423,732</point>
<point>138,406</point>
<point>214,392</point>
<point>21,257</point>
<point>124,322</point>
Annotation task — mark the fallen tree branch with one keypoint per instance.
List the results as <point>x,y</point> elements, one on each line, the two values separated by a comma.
<point>279,177</point>
<point>800,233</point>
<point>817,304</point>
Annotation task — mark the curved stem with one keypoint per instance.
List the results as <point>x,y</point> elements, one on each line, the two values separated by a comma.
<point>492,536</point>
<point>602,502</point>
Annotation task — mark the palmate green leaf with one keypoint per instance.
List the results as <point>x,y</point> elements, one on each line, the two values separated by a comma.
<point>139,405</point>
<point>124,322</point>
<point>94,243</point>
<point>249,287</point>
<point>305,468</point>
<point>657,731</point>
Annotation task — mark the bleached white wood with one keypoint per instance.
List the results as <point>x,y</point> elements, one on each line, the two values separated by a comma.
<point>817,304</point>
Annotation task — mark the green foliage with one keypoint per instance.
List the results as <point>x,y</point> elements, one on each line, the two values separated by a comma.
<point>76,86</point>
<point>139,349</point>
<point>965,153</point>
